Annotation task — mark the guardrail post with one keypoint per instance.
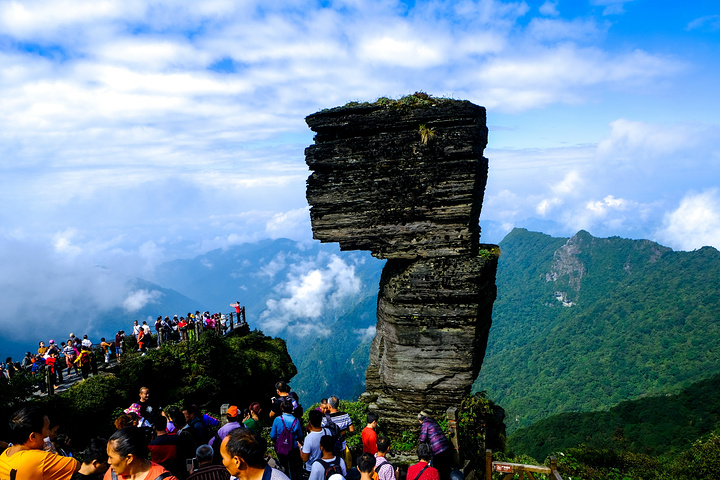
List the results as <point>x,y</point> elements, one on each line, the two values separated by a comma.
<point>488,464</point>
<point>452,425</point>
<point>49,382</point>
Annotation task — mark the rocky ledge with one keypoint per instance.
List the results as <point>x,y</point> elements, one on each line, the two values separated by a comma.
<point>406,182</point>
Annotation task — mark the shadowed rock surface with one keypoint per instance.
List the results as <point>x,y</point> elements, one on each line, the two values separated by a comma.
<point>377,186</point>
<point>406,182</point>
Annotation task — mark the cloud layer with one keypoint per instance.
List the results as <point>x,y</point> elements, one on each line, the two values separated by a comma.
<point>312,291</point>
<point>137,132</point>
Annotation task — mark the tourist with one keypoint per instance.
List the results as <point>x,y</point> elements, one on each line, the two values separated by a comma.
<point>147,408</point>
<point>310,450</point>
<point>106,350</point>
<point>206,470</point>
<point>186,442</point>
<point>422,470</point>
<point>366,466</point>
<point>128,454</point>
<point>94,461</point>
<point>252,419</point>
<point>119,344</point>
<point>384,472</point>
<point>233,417</point>
<point>243,455</point>
<point>369,437</point>
<point>25,458</point>
<point>286,432</point>
<point>343,422</point>
<point>442,450</point>
<point>328,464</point>
<point>283,391</point>
<point>136,329</point>
<point>164,448</point>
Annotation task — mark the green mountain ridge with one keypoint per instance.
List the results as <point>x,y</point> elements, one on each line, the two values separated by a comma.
<point>662,425</point>
<point>643,321</point>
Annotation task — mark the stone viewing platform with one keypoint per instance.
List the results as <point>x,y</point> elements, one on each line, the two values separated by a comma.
<point>405,180</point>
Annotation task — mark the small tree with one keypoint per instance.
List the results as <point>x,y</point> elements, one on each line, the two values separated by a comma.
<point>480,427</point>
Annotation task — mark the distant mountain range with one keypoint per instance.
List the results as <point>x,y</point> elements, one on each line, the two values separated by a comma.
<point>584,323</point>
<point>580,323</point>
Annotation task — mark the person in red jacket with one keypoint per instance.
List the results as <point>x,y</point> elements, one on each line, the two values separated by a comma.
<point>369,437</point>
<point>422,470</point>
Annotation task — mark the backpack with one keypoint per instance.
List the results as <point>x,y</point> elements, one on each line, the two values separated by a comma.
<point>297,408</point>
<point>38,365</point>
<point>331,468</point>
<point>284,442</point>
<point>335,433</point>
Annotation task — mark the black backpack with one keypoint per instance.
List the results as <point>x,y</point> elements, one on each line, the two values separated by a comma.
<point>331,468</point>
<point>335,433</point>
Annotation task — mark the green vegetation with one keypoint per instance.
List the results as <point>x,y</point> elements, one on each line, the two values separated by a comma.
<point>664,425</point>
<point>426,133</point>
<point>415,100</point>
<point>643,323</point>
<point>701,461</point>
<point>209,372</point>
<point>489,252</point>
<point>480,426</point>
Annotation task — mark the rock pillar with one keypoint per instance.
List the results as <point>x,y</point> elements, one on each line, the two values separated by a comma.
<point>405,180</point>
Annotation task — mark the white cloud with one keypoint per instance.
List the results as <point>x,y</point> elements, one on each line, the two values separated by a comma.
<point>134,132</point>
<point>633,138</point>
<point>399,48</point>
<point>63,243</point>
<point>612,7</point>
<point>549,8</point>
<point>310,291</point>
<point>566,188</point>
<point>695,223</point>
<point>708,22</point>
<point>537,77</point>
<point>600,208</point>
<point>290,224</point>
<point>581,30</point>
<point>139,298</point>
<point>366,334</point>
<point>278,263</point>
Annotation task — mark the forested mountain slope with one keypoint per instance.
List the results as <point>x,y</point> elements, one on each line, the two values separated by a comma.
<point>662,425</point>
<point>584,323</point>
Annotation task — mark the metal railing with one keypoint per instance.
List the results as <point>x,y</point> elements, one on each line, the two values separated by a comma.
<point>522,470</point>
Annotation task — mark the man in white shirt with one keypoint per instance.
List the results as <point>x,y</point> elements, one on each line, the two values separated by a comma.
<point>328,462</point>
<point>310,450</point>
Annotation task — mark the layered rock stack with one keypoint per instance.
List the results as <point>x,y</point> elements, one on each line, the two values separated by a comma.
<point>405,180</point>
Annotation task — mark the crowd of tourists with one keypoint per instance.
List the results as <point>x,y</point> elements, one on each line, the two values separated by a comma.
<point>80,355</point>
<point>175,443</point>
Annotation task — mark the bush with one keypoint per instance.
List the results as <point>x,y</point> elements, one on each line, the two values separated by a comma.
<point>208,372</point>
<point>702,460</point>
<point>480,426</point>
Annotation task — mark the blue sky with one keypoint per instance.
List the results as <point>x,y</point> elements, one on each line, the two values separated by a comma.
<point>134,132</point>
